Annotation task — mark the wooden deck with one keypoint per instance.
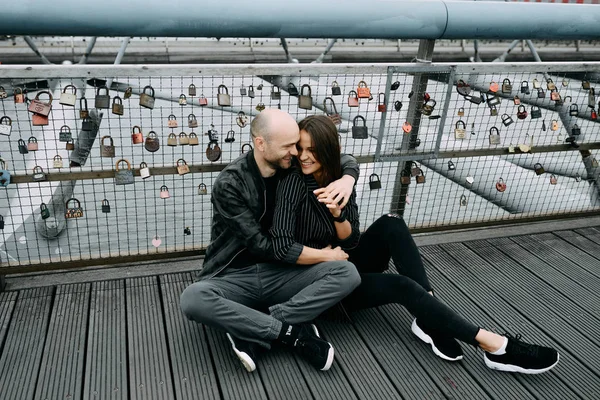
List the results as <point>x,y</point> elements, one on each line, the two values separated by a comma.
<point>127,339</point>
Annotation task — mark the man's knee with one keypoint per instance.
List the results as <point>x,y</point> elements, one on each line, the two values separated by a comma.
<point>196,300</point>
<point>347,273</point>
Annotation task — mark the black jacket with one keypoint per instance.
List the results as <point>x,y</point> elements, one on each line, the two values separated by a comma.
<point>238,198</point>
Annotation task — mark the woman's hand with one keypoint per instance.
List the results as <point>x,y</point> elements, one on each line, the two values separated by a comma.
<point>336,254</point>
<point>334,208</point>
<point>336,191</point>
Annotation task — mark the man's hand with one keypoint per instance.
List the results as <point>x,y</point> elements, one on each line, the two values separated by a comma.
<point>336,254</point>
<point>336,191</point>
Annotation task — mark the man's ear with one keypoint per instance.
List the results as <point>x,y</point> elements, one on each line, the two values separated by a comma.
<point>259,143</point>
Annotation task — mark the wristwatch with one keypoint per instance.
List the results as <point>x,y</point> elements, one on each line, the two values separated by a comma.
<point>341,218</point>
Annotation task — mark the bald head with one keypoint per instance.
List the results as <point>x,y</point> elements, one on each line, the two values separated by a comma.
<point>271,122</point>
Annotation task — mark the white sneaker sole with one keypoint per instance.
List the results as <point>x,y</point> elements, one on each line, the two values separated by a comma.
<point>427,339</point>
<point>244,358</point>
<point>514,368</point>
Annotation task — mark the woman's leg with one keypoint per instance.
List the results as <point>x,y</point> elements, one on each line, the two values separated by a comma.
<point>378,289</point>
<point>389,237</point>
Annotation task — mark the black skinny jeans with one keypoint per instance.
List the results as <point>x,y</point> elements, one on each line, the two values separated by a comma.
<point>389,237</point>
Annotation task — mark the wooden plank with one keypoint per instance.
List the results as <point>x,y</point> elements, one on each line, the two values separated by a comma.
<point>106,352</point>
<point>20,360</point>
<point>517,317</point>
<point>281,376</point>
<point>61,371</point>
<point>193,373</point>
<point>149,367</point>
<point>7,305</point>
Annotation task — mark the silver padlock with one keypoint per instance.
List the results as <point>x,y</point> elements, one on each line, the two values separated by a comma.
<point>147,99</point>
<point>107,150</point>
<point>494,135</point>
<point>144,170</point>
<point>38,174</point>
<point>202,190</point>
<point>123,176</point>
<point>68,99</point>
<point>5,125</point>
<point>57,161</point>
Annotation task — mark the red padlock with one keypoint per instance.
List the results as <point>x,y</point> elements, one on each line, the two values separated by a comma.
<point>381,102</point>
<point>137,136</point>
<point>39,120</point>
<point>426,97</point>
<point>353,99</point>
<point>363,90</point>
<point>406,127</point>
<point>500,185</point>
<point>594,116</point>
<point>39,107</point>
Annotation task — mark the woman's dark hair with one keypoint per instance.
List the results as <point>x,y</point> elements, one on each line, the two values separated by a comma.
<point>326,146</point>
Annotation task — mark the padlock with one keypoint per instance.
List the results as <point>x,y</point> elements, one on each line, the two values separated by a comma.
<point>420,178</point>
<point>213,151</point>
<point>352,99</point>
<point>144,170</point>
<point>182,100</point>
<point>242,119</point>
<point>506,86</point>
<point>1,222</point>
<point>70,145</point>
<point>3,93</point>
<point>193,139</point>
<point>469,179</point>
<point>38,174</point>
<point>335,89</point>
<point>123,176</point>
<point>65,134</point>
<point>540,93</point>
<point>32,143</point>
<point>516,100</point>
<point>374,182</point>
<point>147,99</point>
<point>182,167</point>
<point>87,124</point>
<point>553,179</point>
<point>203,101</point>
<point>68,99</point>
<point>536,84</point>
<point>39,120</point>
<point>184,140</point>
<point>493,100</point>
<point>494,137</point>
<point>44,211</point>
<point>592,98</point>
<point>538,168</point>
<point>381,107</point>
<point>137,136</point>
<point>243,91</point>
<point>212,134</point>
<point>521,112</point>
<point>451,166</point>
<point>305,100</point>
<point>574,110</point>
<point>275,93</point>
<point>493,111</point>
<point>363,91</point>
<point>507,119</point>
<point>75,211</point>
<point>105,206</point>
<point>38,107</point>
<point>460,129</point>
<point>414,169</point>
<point>192,90</point>
<point>246,148</point>
<point>550,84</point>
<point>577,178</point>
<point>152,142</point>
<point>565,82</point>
<point>192,121</point>
<point>463,88</point>
<point>102,100</point>
<point>230,137</point>
<point>536,112</point>
<point>164,192</point>
<point>5,126</point>
<point>83,108</point>
<point>525,87</point>
<point>259,87</point>
<point>171,139</point>
<point>172,121</point>
<point>57,161</point>
<point>4,174</point>
<point>223,98</point>
<point>187,231</point>
<point>585,85</point>
<point>554,95</point>
<point>107,150</point>
<point>397,105</point>
<point>117,106</point>
<point>554,125</point>
<point>251,92</point>
<point>500,185</point>
<point>22,146</point>
<point>593,115</point>
<point>575,131</point>
<point>493,86</point>
<point>463,200</point>
<point>461,112</point>
<point>19,96</point>
<point>260,106</point>
<point>594,162</point>
<point>406,127</point>
<point>405,177</point>
<point>202,190</point>
<point>428,106</point>
<point>332,111</point>
<point>128,92</point>
<point>359,131</point>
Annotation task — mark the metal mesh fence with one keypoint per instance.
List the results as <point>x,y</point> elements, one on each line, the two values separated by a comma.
<point>447,126</point>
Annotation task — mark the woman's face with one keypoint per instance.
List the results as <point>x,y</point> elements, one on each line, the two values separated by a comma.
<point>307,159</point>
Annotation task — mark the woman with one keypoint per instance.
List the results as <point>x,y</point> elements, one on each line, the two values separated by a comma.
<point>302,220</point>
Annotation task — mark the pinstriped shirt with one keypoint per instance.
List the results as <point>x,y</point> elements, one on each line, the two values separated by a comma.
<point>300,220</point>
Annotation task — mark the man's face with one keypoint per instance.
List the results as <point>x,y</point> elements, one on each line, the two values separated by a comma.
<point>281,147</point>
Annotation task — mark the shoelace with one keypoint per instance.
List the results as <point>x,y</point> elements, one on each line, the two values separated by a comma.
<point>520,347</point>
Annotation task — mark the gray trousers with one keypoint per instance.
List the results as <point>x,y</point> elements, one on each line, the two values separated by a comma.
<point>293,294</point>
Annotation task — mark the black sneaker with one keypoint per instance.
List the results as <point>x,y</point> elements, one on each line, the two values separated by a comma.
<point>443,346</point>
<point>246,351</point>
<point>522,357</point>
<point>315,350</point>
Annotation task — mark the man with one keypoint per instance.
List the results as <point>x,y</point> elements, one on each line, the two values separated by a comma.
<point>240,275</point>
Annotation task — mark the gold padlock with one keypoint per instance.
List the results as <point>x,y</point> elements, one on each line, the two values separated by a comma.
<point>147,99</point>
<point>182,167</point>
<point>171,140</point>
<point>182,100</point>
<point>193,139</point>
<point>183,139</point>
<point>461,112</point>
<point>459,132</point>
<point>172,121</point>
